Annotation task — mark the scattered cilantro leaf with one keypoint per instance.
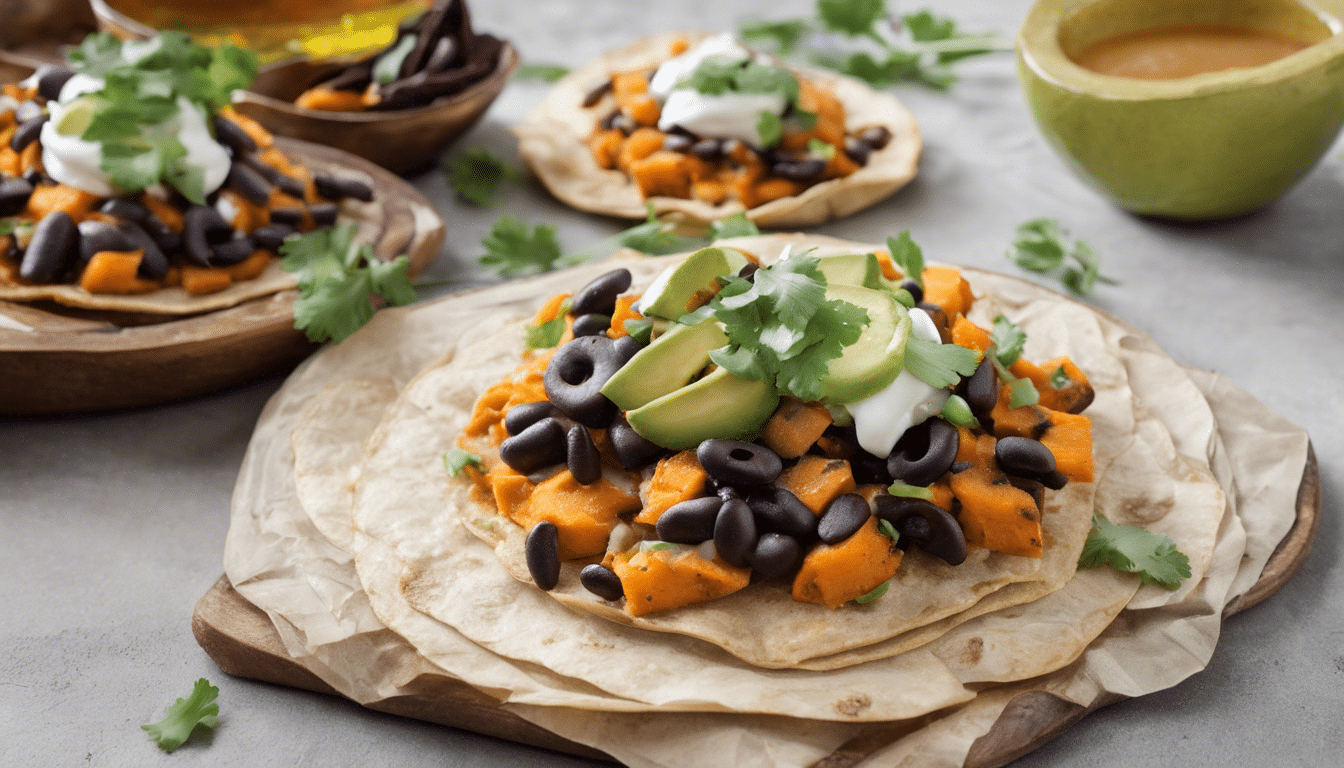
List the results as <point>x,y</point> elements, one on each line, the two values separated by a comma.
<point>546,73</point>
<point>783,34</point>
<point>456,460</point>
<point>512,248</point>
<point>907,257</point>
<point>737,225</point>
<point>1153,556</point>
<point>639,328</point>
<point>885,528</point>
<point>878,591</point>
<point>1007,339</point>
<point>1043,246</point>
<point>1059,378</point>
<point>653,237</point>
<point>477,175</point>
<point>957,412</point>
<point>819,147</point>
<point>182,717</point>
<point>939,365</point>
<point>906,490</point>
<point>1022,392</point>
<point>854,17</point>
<point>770,128</point>
<point>337,281</point>
<point>547,334</point>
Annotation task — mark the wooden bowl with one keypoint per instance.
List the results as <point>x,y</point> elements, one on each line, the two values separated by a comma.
<point>61,360</point>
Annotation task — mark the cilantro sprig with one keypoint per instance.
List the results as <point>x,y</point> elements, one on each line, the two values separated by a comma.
<point>457,459</point>
<point>781,328</point>
<point>1006,342</point>
<point>337,281</point>
<point>1045,247</point>
<point>1153,556</point>
<point>513,248</point>
<point>907,256</point>
<point>183,715</point>
<point>716,76</point>
<point>477,176</point>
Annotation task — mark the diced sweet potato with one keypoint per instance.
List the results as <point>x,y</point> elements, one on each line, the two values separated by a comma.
<point>969,335</point>
<point>946,287</point>
<point>329,100</point>
<point>199,281</point>
<point>795,427</point>
<point>834,574</point>
<point>776,188</point>
<point>660,580</point>
<point>1072,396</point>
<point>710,191</point>
<point>817,481</point>
<point>114,272</point>
<point>994,514</point>
<point>624,311</point>
<point>661,174</point>
<point>639,145</point>
<point>605,145</point>
<point>250,267</point>
<point>551,309</point>
<point>583,514</point>
<point>49,198</point>
<point>677,478</point>
<point>1067,435</point>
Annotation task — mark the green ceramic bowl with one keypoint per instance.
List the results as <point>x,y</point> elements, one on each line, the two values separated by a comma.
<point>1204,147</point>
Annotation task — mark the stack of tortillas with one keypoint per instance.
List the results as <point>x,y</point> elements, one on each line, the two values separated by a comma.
<point>349,533</point>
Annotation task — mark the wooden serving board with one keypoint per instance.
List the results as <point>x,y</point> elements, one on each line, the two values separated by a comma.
<point>62,360</point>
<point>243,642</point>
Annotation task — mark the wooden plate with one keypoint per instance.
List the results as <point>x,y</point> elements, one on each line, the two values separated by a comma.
<point>243,642</point>
<point>62,360</point>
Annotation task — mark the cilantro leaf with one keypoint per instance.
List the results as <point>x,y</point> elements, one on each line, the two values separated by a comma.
<point>755,77</point>
<point>784,34</point>
<point>854,17</point>
<point>477,175</point>
<point>939,365</point>
<point>6,227</point>
<point>653,237</point>
<point>1043,246</point>
<point>878,591</point>
<point>1007,338</point>
<point>957,412</point>
<point>1153,556</point>
<point>1059,378</point>
<point>513,249</point>
<point>902,488</point>
<point>896,67</point>
<point>1022,392</point>
<point>337,282</point>
<point>819,147</point>
<point>907,257</point>
<point>547,334</point>
<point>737,225</point>
<point>456,460</point>
<point>546,73</point>
<point>770,128</point>
<point>182,717</point>
<point>885,527</point>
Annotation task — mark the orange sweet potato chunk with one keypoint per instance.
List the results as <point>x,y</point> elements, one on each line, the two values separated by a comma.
<point>795,427</point>
<point>114,272</point>
<point>677,478</point>
<point>583,514</point>
<point>834,574</point>
<point>199,281</point>
<point>660,580</point>
<point>661,174</point>
<point>969,335</point>
<point>1072,397</point>
<point>817,481</point>
<point>329,100</point>
<point>1067,435</point>
<point>624,311</point>
<point>994,514</point>
<point>946,287</point>
<point>639,145</point>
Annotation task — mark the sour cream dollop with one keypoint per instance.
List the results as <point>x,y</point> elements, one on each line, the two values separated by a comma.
<point>880,420</point>
<point>721,116</point>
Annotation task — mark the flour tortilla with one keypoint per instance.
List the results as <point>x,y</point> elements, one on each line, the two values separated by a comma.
<point>431,419</point>
<point>551,142</point>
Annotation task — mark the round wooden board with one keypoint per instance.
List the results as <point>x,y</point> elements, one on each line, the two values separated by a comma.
<point>240,638</point>
<point>58,360</point>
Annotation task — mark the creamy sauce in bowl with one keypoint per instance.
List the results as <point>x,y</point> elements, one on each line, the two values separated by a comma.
<point>1170,53</point>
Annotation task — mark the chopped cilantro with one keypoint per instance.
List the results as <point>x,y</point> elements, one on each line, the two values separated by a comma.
<point>878,591</point>
<point>819,147</point>
<point>1043,246</point>
<point>957,412</point>
<point>547,334</point>
<point>907,257</point>
<point>770,128</point>
<point>854,17</point>
<point>546,73</point>
<point>906,490</point>
<point>737,225</point>
<point>781,327</point>
<point>182,717</point>
<point>783,34</point>
<point>1059,378</point>
<point>653,237</point>
<point>477,175</point>
<point>1153,556</point>
<point>1007,338</point>
<point>939,365</point>
<point>513,249</point>
<point>7,227</point>
<point>885,528</point>
<point>337,281</point>
<point>456,460</point>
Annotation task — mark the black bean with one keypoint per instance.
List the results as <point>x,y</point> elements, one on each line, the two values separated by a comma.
<point>601,581</point>
<point>575,376</point>
<point>543,554</point>
<point>777,510</point>
<point>869,469</point>
<point>202,227</point>
<point>689,522</point>
<point>914,290</point>
<point>27,111</point>
<point>799,170</point>
<point>324,214</point>
<point>51,78</point>
<point>524,415</point>
<point>735,533</point>
<point>232,135</point>
<point>632,449</point>
<point>154,264</point>
<point>1052,480</point>
<point>936,314</point>
<point>581,456</point>
<point>1016,455</point>
<point>14,194</point>
<point>596,93</point>
<point>981,389</point>
<point>925,525</point>
<point>707,149</point>
<point>231,252</point>
<point>53,246</point>
<point>959,466</point>
<point>539,446</point>
<point>599,295</point>
<point>34,176</point>
<point>291,216</point>
<point>842,518</point>
<point>125,210</point>
<point>876,137</point>
<point>290,186</point>
<point>271,236</point>
<point>748,271</point>
<point>739,463</point>
<point>97,236</point>
<point>625,348</point>
<point>924,453</point>
<point>724,492</point>
<point>27,132</point>
<point>776,555</point>
<point>591,324</point>
<point>267,172</point>
<point>856,150</point>
<point>677,142</point>
<point>248,184</point>
<point>608,122</point>
<point>333,188</point>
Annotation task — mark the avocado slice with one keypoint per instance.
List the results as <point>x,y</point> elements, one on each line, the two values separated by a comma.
<point>665,365</point>
<point>721,404</point>
<point>874,360</point>
<point>670,291</point>
<point>860,269</point>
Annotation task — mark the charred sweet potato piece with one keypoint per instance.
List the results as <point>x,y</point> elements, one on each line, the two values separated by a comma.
<point>817,481</point>
<point>834,574</point>
<point>1074,393</point>
<point>994,514</point>
<point>677,478</point>
<point>660,580</point>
